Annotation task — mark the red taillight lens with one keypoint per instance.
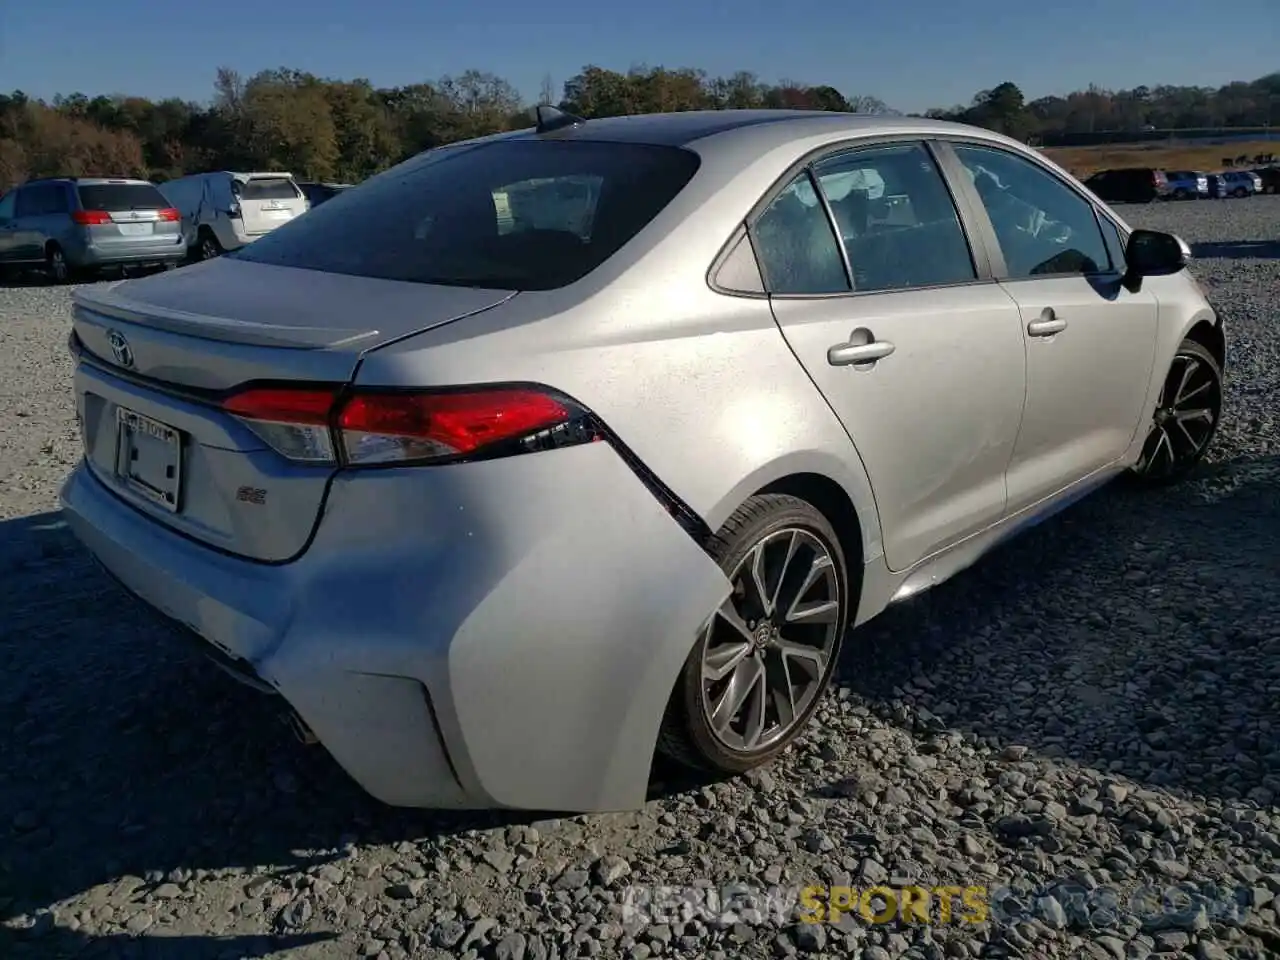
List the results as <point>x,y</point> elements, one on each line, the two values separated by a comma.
<point>461,422</point>
<point>169,215</point>
<point>310,407</point>
<point>90,218</point>
<point>385,427</point>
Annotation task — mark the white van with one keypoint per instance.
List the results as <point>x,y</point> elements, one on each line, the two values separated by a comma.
<point>225,210</point>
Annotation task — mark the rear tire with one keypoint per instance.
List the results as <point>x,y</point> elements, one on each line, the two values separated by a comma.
<point>764,660</point>
<point>1185,419</point>
<point>55,264</point>
<point>207,246</point>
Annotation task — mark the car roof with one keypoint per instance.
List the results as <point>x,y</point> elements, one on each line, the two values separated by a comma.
<point>87,181</point>
<point>764,128</point>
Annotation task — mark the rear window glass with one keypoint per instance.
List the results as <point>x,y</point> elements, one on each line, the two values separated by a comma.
<point>122,196</point>
<point>508,214</point>
<point>267,188</point>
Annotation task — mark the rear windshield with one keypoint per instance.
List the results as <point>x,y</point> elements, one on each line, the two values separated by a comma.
<point>121,196</point>
<point>267,188</point>
<point>508,214</point>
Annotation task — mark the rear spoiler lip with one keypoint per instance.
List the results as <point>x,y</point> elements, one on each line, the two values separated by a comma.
<point>105,302</point>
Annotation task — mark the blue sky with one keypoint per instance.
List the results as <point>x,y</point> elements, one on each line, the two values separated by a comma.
<point>913,54</point>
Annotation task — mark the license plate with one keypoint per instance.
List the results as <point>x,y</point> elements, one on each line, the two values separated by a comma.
<point>277,214</point>
<point>149,458</point>
<point>134,229</point>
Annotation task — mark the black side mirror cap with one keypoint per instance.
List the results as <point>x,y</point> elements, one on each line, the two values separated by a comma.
<point>1150,253</point>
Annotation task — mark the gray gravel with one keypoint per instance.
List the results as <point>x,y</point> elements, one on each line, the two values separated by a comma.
<point>1086,721</point>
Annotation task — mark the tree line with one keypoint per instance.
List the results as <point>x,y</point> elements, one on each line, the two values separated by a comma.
<point>346,130</point>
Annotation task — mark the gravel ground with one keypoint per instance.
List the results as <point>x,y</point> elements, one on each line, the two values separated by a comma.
<point>1097,745</point>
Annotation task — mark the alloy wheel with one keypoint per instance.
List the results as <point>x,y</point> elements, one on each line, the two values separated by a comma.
<point>208,249</point>
<point>767,650</point>
<point>1185,418</point>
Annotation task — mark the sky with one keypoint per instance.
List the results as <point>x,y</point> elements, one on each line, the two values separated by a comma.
<point>913,54</point>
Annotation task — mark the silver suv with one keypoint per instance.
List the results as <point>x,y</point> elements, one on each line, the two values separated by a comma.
<point>79,224</point>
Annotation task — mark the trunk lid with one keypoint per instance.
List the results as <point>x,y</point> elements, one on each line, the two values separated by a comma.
<point>160,350</point>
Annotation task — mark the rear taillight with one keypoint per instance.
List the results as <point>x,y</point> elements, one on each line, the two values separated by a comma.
<point>168,215</point>
<point>90,218</point>
<point>295,423</point>
<point>365,428</point>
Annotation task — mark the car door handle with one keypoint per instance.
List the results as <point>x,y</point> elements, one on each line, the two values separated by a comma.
<point>1047,325</point>
<point>851,352</point>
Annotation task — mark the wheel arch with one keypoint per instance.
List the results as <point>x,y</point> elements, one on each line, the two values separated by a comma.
<point>1209,335</point>
<point>834,503</point>
<point>836,486</point>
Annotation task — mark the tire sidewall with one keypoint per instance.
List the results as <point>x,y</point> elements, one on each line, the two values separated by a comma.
<point>792,512</point>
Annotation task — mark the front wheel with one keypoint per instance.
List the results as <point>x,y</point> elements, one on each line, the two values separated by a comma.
<point>763,661</point>
<point>1186,416</point>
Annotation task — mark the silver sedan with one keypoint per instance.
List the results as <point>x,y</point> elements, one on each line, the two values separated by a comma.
<point>538,453</point>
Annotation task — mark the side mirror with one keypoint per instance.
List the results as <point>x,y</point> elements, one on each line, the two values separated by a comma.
<point>1150,253</point>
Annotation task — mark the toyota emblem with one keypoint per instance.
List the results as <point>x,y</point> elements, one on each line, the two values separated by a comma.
<point>120,348</point>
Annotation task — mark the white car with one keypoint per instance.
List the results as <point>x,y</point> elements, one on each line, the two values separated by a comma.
<point>224,211</point>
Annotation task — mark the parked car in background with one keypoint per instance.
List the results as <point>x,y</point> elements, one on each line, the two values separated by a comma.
<point>225,210</point>
<point>1270,177</point>
<point>1129,185</point>
<point>1241,183</point>
<point>1186,184</point>
<point>317,193</point>
<point>77,225</point>
<point>1218,189</point>
<point>498,503</point>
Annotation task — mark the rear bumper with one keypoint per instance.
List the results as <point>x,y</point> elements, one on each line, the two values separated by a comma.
<point>501,634</point>
<point>170,250</point>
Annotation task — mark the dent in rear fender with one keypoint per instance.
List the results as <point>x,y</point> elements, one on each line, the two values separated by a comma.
<point>708,396</point>
<point>546,601</point>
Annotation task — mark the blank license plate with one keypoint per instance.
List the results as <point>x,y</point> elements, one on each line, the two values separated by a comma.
<point>134,229</point>
<point>149,458</point>
<point>277,214</point>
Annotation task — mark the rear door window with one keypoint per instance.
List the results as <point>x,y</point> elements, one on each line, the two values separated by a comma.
<point>896,218</point>
<point>55,199</point>
<point>508,214</point>
<point>115,197</point>
<point>30,202</point>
